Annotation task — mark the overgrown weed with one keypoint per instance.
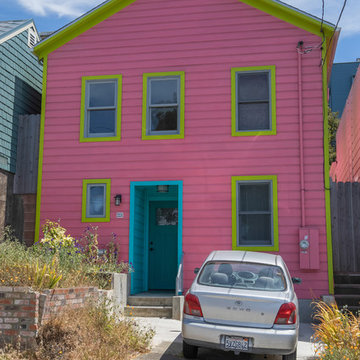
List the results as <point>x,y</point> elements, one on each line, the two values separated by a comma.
<point>337,335</point>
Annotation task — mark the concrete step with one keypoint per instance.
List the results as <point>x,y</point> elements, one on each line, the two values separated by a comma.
<point>347,289</point>
<point>149,311</point>
<point>150,300</point>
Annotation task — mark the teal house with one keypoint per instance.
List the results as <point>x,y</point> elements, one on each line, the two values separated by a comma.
<point>20,84</point>
<point>20,94</point>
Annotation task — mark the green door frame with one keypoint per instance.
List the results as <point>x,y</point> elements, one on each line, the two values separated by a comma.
<point>133,187</point>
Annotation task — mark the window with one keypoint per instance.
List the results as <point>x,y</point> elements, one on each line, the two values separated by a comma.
<point>96,200</point>
<point>242,275</point>
<point>163,106</point>
<point>255,218</point>
<point>253,101</point>
<point>100,108</point>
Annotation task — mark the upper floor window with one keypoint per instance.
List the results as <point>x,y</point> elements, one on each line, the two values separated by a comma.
<point>163,105</point>
<point>100,108</point>
<point>255,224</point>
<point>96,200</point>
<point>253,101</point>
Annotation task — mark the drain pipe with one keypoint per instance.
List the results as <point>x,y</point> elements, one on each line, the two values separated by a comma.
<point>301,144</point>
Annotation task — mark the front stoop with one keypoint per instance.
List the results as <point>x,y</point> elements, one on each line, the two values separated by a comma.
<point>347,290</point>
<point>154,306</point>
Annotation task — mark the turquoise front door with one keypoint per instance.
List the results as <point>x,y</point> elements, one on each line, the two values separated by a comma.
<point>163,244</point>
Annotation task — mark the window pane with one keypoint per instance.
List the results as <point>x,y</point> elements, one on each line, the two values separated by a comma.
<point>254,197</point>
<point>253,116</point>
<point>102,122</point>
<point>102,94</point>
<point>96,196</point>
<point>163,91</point>
<point>163,119</point>
<point>243,275</point>
<point>166,216</point>
<point>255,229</point>
<point>253,86</point>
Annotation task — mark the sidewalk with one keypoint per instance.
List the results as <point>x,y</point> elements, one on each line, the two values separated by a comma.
<point>167,343</point>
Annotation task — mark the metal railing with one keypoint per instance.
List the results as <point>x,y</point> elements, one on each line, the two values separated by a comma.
<point>179,278</point>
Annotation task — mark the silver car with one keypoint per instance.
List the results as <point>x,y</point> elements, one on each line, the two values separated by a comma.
<point>242,301</point>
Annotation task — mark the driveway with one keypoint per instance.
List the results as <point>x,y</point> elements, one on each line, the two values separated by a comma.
<point>167,343</point>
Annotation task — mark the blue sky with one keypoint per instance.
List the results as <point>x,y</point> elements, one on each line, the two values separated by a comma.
<point>50,15</point>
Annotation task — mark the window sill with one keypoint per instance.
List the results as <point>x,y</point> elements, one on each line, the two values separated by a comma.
<point>100,139</point>
<point>89,220</point>
<point>163,137</point>
<point>253,133</point>
<point>256,248</point>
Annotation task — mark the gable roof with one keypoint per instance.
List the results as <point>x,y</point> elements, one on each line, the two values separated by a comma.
<point>11,28</point>
<point>108,8</point>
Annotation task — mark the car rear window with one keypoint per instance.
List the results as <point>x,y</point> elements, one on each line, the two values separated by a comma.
<point>243,275</point>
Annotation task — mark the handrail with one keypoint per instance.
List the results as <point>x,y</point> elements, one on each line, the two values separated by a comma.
<point>179,278</point>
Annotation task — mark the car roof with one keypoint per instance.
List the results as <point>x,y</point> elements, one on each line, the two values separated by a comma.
<point>245,256</point>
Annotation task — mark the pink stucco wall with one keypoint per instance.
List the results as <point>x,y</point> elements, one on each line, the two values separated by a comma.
<point>347,165</point>
<point>205,39</point>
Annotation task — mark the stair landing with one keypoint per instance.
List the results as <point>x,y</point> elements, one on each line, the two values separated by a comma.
<point>150,304</point>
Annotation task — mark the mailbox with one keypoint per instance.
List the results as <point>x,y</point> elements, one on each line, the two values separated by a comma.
<point>309,248</point>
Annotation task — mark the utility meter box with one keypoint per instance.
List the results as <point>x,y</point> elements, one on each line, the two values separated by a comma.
<point>309,248</point>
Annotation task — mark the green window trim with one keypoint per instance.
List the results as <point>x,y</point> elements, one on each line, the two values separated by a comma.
<point>180,134</point>
<point>234,183</point>
<point>234,71</point>
<point>117,137</point>
<point>107,183</point>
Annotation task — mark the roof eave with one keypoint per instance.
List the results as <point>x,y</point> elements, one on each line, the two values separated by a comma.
<point>110,7</point>
<point>17,30</point>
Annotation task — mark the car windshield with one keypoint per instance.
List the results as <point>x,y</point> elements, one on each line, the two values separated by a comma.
<point>243,275</point>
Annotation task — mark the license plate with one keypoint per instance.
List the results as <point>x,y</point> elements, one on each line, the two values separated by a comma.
<point>236,343</point>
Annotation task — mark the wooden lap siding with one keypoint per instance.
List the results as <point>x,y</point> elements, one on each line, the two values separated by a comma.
<point>347,166</point>
<point>205,39</point>
<point>20,92</point>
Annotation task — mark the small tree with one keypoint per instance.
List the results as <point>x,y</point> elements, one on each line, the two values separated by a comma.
<point>333,123</point>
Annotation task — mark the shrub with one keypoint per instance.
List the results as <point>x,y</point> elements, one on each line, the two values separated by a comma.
<point>337,334</point>
<point>71,335</point>
<point>58,260</point>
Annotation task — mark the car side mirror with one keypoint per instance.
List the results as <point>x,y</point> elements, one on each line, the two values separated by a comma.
<point>296,280</point>
<point>196,270</point>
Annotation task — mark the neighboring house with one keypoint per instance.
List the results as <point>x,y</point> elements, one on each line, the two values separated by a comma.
<point>20,94</point>
<point>342,77</point>
<point>188,126</point>
<point>346,168</point>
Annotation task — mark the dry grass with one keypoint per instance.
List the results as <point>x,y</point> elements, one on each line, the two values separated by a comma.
<point>90,333</point>
<point>337,334</point>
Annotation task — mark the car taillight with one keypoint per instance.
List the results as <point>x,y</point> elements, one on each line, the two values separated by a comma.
<point>286,314</point>
<point>192,305</point>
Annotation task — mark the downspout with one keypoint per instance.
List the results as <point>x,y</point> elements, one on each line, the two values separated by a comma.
<point>301,135</point>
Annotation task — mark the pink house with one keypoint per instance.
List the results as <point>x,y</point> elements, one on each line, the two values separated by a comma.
<point>188,126</point>
<point>347,165</point>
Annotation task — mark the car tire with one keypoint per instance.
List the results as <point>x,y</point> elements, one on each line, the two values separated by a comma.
<point>291,356</point>
<point>189,351</point>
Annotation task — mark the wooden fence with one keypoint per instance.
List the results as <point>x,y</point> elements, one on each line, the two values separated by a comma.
<point>345,226</point>
<point>25,181</point>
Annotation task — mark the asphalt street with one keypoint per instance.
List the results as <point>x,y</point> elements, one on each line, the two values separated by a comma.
<point>167,343</point>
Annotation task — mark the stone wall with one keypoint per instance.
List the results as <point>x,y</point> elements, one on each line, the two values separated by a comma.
<point>22,310</point>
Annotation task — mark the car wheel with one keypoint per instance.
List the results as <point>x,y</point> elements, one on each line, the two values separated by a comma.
<point>189,351</point>
<point>291,356</point>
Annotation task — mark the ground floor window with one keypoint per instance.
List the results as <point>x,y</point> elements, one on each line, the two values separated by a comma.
<point>255,224</point>
<point>96,200</point>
